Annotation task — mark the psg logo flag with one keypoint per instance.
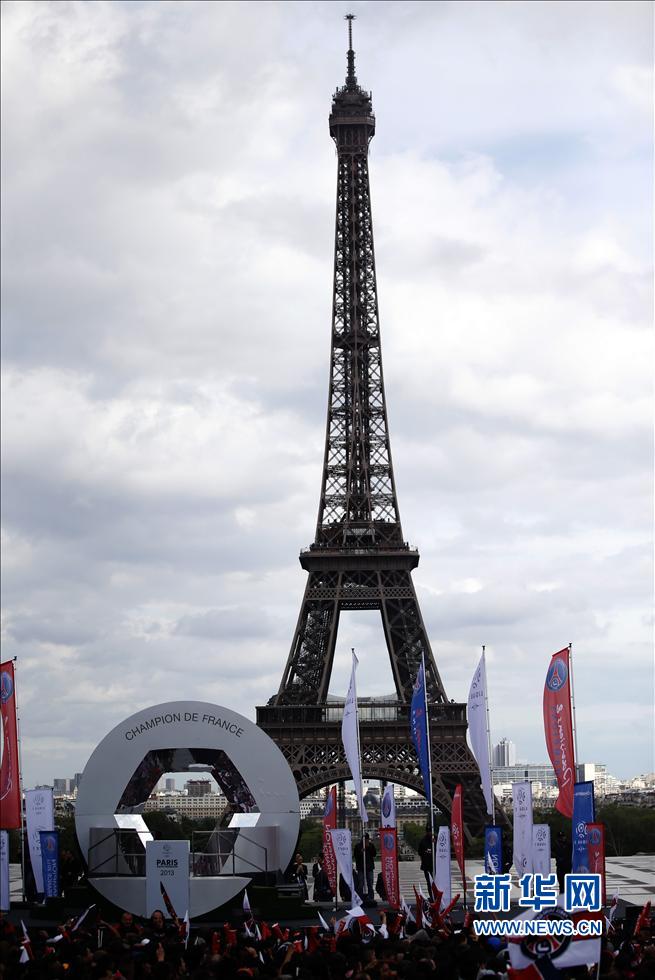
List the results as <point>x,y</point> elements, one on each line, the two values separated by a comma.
<point>419,729</point>
<point>558,728</point>
<point>10,800</point>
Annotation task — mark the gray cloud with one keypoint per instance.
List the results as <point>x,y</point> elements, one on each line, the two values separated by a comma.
<point>167,267</point>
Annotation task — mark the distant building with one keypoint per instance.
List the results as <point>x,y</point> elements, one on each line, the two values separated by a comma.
<point>544,782</point>
<point>198,787</point>
<point>77,779</point>
<point>193,807</point>
<point>504,753</point>
<point>169,785</point>
<point>60,786</point>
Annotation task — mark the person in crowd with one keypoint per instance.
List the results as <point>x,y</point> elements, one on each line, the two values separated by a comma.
<point>425,854</point>
<point>322,891</point>
<point>364,854</point>
<point>299,873</point>
<point>563,858</point>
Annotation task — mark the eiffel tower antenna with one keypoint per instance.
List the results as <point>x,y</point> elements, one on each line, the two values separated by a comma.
<point>359,558</point>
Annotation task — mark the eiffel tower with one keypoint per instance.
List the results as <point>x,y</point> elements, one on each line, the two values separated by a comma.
<point>359,558</point>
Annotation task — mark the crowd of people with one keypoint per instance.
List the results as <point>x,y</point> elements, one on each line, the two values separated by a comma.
<point>161,949</point>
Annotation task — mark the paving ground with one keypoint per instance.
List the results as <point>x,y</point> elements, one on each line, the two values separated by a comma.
<point>632,877</point>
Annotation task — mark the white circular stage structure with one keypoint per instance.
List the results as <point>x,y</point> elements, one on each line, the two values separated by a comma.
<point>186,736</point>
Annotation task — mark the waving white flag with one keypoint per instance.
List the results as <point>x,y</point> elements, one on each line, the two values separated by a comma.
<point>350,739</point>
<point>343,852</point>
<point>477,719</point>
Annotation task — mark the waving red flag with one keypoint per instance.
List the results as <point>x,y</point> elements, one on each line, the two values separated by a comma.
<point>457,832</point>
<point>10,800</point>
<point>558,728</point>
<point>330,823</point>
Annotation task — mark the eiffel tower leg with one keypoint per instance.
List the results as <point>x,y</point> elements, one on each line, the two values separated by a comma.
<point>307,673</point>
<point>406,636</point>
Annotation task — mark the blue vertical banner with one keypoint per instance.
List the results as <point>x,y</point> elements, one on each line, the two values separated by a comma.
<point>493,850</point>
<point>50,860</point>
<point>419,729</point>
<point>584,812</point>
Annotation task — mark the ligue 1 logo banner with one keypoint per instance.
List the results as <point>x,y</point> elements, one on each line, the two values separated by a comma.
<point>10,801</point>
<point>522,807</point>
<point>389,862</point>
<point>50,862</point>
<point>558,728</point>
<point>583,813</point>
<point>442,876</point>
<point>540,849</point>
<point>493,850</point>
<point>330,823</point>
<point>596,854</point>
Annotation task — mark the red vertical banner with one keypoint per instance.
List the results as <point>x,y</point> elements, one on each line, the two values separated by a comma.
<point>457,833</point>
<point>330,823</point>
<point>10,801</point>
<point>558,728</point>
<point>389,862</point>
<point>596,853</point>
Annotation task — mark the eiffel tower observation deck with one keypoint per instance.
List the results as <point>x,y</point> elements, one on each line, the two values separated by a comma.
<point>359,558</point>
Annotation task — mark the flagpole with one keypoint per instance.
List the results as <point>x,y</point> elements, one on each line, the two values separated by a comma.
<point>359,756</point>
<point>486,704</point>
<point>575,730</point>
<point>427,733</point>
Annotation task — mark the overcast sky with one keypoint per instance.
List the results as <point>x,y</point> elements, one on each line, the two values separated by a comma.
<point>168,210</point>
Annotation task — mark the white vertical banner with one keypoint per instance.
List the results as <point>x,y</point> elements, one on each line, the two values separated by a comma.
<point>343,852</point>
<point>388,807</point>
<point>442,877</point>
<point>167,865</point>
<point>477,719</point>
<point>39,815</point>
<point>4,871</point>
<point>350,739</point>
<point>522,804</point>
<point>540,849</point>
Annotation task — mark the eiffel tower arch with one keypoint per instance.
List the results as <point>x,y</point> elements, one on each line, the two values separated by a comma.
<point>359,558</point>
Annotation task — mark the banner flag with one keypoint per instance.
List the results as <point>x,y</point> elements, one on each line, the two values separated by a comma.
<point>10,801</point>
<point>442,867</point>
<point>343,852</point>
<point>596,854</point>
<point>558,952</point>
<point>540,849</point>
<point>493,850</point>
<point>50,862</point>
<point>39,815</point>
<point>477,719</point>
<point>388,807</point>
<point>350,739</point>
<point>4,871</point>
<point>457,832</point>
<point>389,864</point>
<point>558,728</point>
<point>330,823</point>
<point>522,805</point>
<point>584,812</point>
<point>419,729</point>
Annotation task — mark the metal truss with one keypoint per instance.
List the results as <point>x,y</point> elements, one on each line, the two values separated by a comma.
<point>359,559</point>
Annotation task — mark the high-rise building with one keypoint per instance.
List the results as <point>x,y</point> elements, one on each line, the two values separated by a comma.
<point>169,786</point>
<point>60,786</point>
<point>198,787</point>
<point>504,753</point>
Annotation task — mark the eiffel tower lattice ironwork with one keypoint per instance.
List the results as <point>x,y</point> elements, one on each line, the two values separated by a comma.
<point>359,559</point>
